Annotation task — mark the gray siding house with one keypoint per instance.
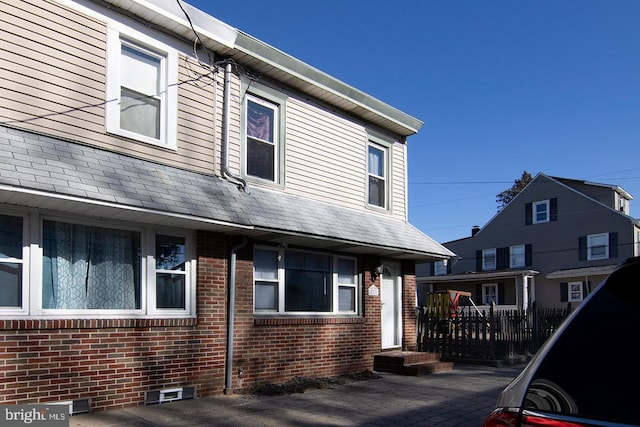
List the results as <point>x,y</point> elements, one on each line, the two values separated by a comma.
<point>552,244</point>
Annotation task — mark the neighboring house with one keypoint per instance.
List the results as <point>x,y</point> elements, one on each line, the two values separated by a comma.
<point>187,215</point>
<point>552,244</point>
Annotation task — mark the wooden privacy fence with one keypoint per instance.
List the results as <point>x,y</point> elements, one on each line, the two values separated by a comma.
<point>485,337</point>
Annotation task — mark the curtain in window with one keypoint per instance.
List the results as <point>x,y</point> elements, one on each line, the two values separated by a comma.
<point>259,119</point>
<point>90,267</point>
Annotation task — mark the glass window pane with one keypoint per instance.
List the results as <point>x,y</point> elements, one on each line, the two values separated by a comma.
<point>260,121</point>
<point>170,253</point>
<point>376,191</point>
<point>140,72</point>
<point>266,296</point>
<point>10,237</point>
<point>376,161</point>
<point>265,264</point>
<point>346,271</point>
<point>10,284</point>
<point>140,114</point>
<point>347,298</point>
<point>170,290</point>
<point>308,283</point>
<point>87,267</point>
<point>260,158</point>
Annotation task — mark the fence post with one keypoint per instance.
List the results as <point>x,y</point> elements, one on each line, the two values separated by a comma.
<point>492,331</point>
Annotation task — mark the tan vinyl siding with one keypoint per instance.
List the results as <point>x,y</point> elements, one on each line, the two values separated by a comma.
<point>325,156</point>
<point>53,69</point>
<point>399,179</point>
<point>235,143</point>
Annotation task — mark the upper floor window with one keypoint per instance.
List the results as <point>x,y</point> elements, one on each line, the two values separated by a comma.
<point>440,268</point>
<point>85,269</point>
<point>141,88</point>
<point>293,281</point>
<point>489,293</point>
<point>517,256</point>
<point>598,246</point>
<point>541,211</point>
<point>377,166</point>
<point>262,138</point>
<point>263,124</point>
<point>489,259</point>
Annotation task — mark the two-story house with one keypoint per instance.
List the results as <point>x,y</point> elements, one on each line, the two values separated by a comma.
<point>186,210</point>
<point>552,244</point>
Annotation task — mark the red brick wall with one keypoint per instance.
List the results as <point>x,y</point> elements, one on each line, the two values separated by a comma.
<point>275,350</point>
<point>114,361</point>
<point>409,333</point>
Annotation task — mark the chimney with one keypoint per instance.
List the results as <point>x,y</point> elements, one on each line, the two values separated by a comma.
<point>474,230</point>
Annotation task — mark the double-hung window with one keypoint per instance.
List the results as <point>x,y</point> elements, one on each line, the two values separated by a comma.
<point>377,169</point>
<point>87,269</point>
<point>262,134</point>
<point>263,124</point>
<point>489,259</point>
<point>296,281</point>
<point>141,88</point>
<point>541,212</point>
<point>575,291</point>
<point>517,256</point>
<point>598,246</point>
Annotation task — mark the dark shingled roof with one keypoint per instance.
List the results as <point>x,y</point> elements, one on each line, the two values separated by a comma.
<point>51,173</point>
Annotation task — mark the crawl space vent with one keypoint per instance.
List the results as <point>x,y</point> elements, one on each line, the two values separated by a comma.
<point>168,395</point>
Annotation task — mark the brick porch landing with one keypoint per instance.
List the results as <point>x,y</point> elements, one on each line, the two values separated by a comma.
<point>410,363</point>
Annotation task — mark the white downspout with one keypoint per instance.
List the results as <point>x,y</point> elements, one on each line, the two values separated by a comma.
<point>228,387</point>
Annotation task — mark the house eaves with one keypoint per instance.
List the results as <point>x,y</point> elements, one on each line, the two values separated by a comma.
<point>114,187</point>
<point>602,270</point>
<point>261,58</point>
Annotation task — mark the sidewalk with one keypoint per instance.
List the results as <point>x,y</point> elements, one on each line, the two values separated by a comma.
<point>461,397</point>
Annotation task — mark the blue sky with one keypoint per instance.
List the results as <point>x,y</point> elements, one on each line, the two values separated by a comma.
<point>503,86</point>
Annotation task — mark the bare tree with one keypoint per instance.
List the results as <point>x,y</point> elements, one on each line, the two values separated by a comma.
<point>503,199</point>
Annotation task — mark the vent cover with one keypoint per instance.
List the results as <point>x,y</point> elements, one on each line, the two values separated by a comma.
<point>168,395</point>
<point>79,406</point>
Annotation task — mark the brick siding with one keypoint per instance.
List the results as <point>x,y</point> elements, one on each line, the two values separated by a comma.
<point>114,361</point>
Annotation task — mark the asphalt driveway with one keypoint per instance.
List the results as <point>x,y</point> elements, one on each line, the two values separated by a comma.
<point>461,397</point>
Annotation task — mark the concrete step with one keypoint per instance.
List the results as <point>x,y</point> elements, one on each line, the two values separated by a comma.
<point>410,363</point>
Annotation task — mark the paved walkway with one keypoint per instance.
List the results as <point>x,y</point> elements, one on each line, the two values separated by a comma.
<point>461,397</point>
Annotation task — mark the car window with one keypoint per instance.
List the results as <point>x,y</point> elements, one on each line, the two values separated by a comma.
<point>593,370</point>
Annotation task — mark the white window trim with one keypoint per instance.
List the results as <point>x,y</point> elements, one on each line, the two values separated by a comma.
<point>590,246</point>
<point>486,252</point>
<point>513,258</point>
<point>335,286</point>
<point>386,151</point>
<point>534,212</point>
<point>578,285</point>
<point>486,286</point>
<point>169,83</point>
<point>276,136</point>
<point>32,274</point>
<point>260,91</point>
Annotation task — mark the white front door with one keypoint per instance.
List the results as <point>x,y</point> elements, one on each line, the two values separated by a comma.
<point>391,307</point>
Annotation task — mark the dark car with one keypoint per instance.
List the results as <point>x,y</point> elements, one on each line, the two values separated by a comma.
<point>588,372</point>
